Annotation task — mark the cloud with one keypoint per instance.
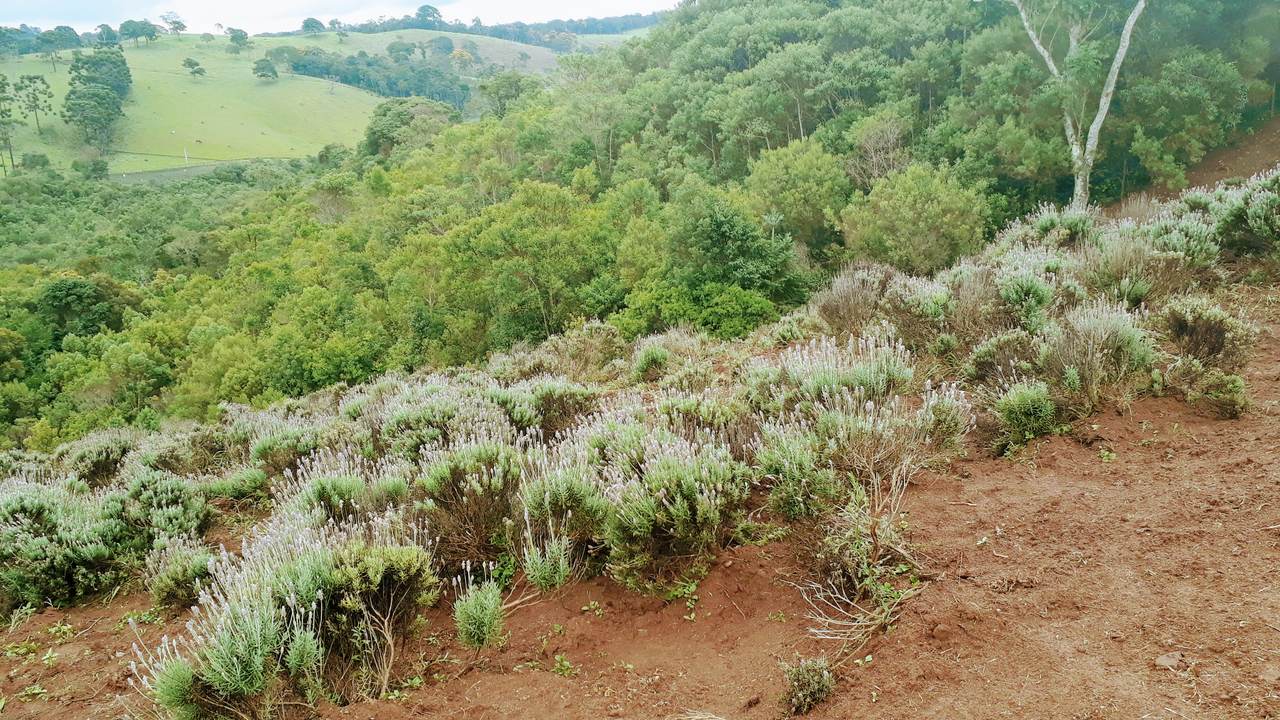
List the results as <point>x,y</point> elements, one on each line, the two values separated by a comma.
<point>257,16</point>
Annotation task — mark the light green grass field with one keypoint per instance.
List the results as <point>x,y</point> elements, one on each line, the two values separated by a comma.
<point>229,114</point>
<point>494,50</point>
<point>596,41</point>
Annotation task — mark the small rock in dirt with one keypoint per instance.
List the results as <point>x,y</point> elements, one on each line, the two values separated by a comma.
<point>728,563</point>
<point>1270,674</point>
<point>1169,661</point>
<point>754,701</point>
<point>942,632</point>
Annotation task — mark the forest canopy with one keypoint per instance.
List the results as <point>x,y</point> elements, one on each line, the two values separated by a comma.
<point>708,174</point>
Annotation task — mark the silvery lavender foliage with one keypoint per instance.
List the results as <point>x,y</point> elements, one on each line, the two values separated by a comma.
<point>56,541</point>
<point>173,571</point>
<point>344,482</point>
<point>1245,217</point>
<point>713,413</point>
<point>1097,349</point>
<point>96,457</point>
<point>255,603</point>
<point>883,442</point>
<point>877,363</point>
<point>469,487</point>
<point>918,308</point>
<point>61,539</point>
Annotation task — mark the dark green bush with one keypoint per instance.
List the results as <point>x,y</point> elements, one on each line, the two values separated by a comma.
<point>1006,353</point>
<point>469,500</point>
<point>1221,394</point>
<point>1205,331</point>
<point>174,573</point>
<point>374,594</point>
<point>799,485</point>
<point>672,514</point>
<point>1026,411</point>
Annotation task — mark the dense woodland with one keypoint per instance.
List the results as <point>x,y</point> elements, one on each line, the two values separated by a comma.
<point>406,70</point>
<point>710,174</point>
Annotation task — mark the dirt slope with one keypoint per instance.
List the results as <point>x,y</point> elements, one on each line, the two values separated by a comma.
<point>1249,155</point>
<point>1073,583</point>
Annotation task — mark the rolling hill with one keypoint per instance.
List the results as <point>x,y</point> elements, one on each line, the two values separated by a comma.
<point>173,119</point>
<point>494,50</point>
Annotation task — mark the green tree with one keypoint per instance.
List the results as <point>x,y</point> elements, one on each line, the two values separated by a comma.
<point>104,66</point>
<point>1194,104</point>
<point>193,66</point>
<point>94,110</point>
<point>8,123</point>
<point>107,35</point>
<point>174,23</point>
<point>136,30</point>
<point>920,219</point>
<point>393,118</point>
<point>428,17</point>
<point>1070,75</point>
<point>75,305</point>
<point>238,39</point>
<point>716,241</point>
<point>312,26</point>
<point>13,353</point>
<point>34,97</point>
<point>401,51</point>
<point>505,88</point>
<point>804,185</point>
<point>265,69</point>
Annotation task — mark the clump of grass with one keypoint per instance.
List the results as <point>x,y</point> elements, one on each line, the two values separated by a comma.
<point>238,484</point>
<point>1202,329</point>
<point>809,683</point>
<point>1026,411</point>
<point>791,465</point>
<point>478,615</point>
<point>173,573</point>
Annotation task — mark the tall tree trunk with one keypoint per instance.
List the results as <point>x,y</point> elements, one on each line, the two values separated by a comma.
<point>1084,151</point>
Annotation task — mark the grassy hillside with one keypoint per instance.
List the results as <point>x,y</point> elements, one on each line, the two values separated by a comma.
<point>595,41</point>
<point>225,115</point>
<point>494,50</point>
<point>229,114</point>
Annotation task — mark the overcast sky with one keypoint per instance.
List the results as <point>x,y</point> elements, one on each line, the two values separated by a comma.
<point>276,15</point>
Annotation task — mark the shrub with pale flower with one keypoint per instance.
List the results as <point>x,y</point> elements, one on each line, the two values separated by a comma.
<point>1096,352</point>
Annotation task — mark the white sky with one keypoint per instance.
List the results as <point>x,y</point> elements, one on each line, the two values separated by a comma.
<point>278,15</point>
